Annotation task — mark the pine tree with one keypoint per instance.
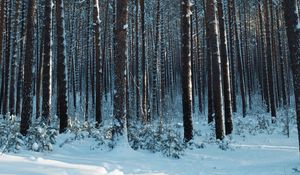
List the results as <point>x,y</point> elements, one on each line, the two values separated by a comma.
<point>46,81</point>
<point>186,69</point>
<point>2,13</point>
<point>213,39</point>
<point>269,59</point>
<point>98,62</point>
<point>154,111</point>
<point>61,67</point>
<point>27,89</point>
<point>225,71</point>
<point>120,32</point>
<point>144,67</point>
<point>15,59</point>
<point>293,34</point>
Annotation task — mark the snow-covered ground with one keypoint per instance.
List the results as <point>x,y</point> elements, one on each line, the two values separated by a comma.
<point>258,154</point>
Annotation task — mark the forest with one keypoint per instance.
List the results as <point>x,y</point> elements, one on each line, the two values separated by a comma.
<point>148,73</point>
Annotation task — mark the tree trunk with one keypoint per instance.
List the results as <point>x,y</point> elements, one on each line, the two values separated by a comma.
<point>225,71</point>
<point>46,79</point>
<point>232,50</point>
<point>186,70</point>
<point>269,60</point>
<point>120,32</point>
<point>144,66</point>
<point>293,34</point>
<point>61,67</point>
<point>99,75</point>
<point>212,37</point>
<point>27,90</point>
<point>14,60</point>
<point>154,63</point>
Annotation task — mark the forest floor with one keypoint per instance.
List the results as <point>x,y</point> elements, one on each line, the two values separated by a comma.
<point>250,151</point>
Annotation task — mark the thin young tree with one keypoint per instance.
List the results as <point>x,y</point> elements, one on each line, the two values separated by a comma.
<point>2,26</point>
<point>269,59</point>
<point>144,68</point>
<point>98,62</point>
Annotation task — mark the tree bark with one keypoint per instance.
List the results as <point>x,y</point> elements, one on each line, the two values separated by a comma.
<point>27,89</point>
<point>186,70</point>
<point>213,38</point>
<point>61,67</point>
<point>47,56</point>
<point>120,32</point>
<point>293,34</point>
<point>99,75</point>
<point>225,71</point>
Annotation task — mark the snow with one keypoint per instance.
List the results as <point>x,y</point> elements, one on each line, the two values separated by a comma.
<point>35,147</point>
<point>262,154</point>
<point>256,147</point>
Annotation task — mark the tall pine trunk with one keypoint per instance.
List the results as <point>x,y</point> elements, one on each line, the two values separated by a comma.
<point>213,38</point>
<point>120,32</point>
<point>46,78</point>
<point>27,89</point>
<point>98,62</point>
<point>225,71</point>
<point>269,59</point>
<point>293,34</point>
<point>61,67</point>
<point>186,70</point>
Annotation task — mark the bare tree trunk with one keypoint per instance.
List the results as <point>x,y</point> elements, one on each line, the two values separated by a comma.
<point>269,60</point>
<point>2,26</point>
<point>99,73</point>
<point>233,52</point>
<point>144,66</point>
<point>225,71</point>
<point>7,58</point>
<point>21,60</point>
<point>27,90</point>
<point>293,34</point>
<point>154,63</point>
<point>240,66</point>
<point>186,70</point>
<point>120,66</point>
<point>61,67</point>
<point>213,39</point>
<point>46,79</point>
<point>14,60</point>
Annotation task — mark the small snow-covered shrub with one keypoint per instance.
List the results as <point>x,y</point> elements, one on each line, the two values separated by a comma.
<point>147,138</point>
<point>150,139</point>
<point>78,129</point>
<point>103,138</point>
<point>172,144</point>
<point>10,138</point>
<point>210,137</point>
<point>254,124</point>
<point>157,139</point>
<point>41,137</point>
<point>224,144</point>
<point>193,145</point>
